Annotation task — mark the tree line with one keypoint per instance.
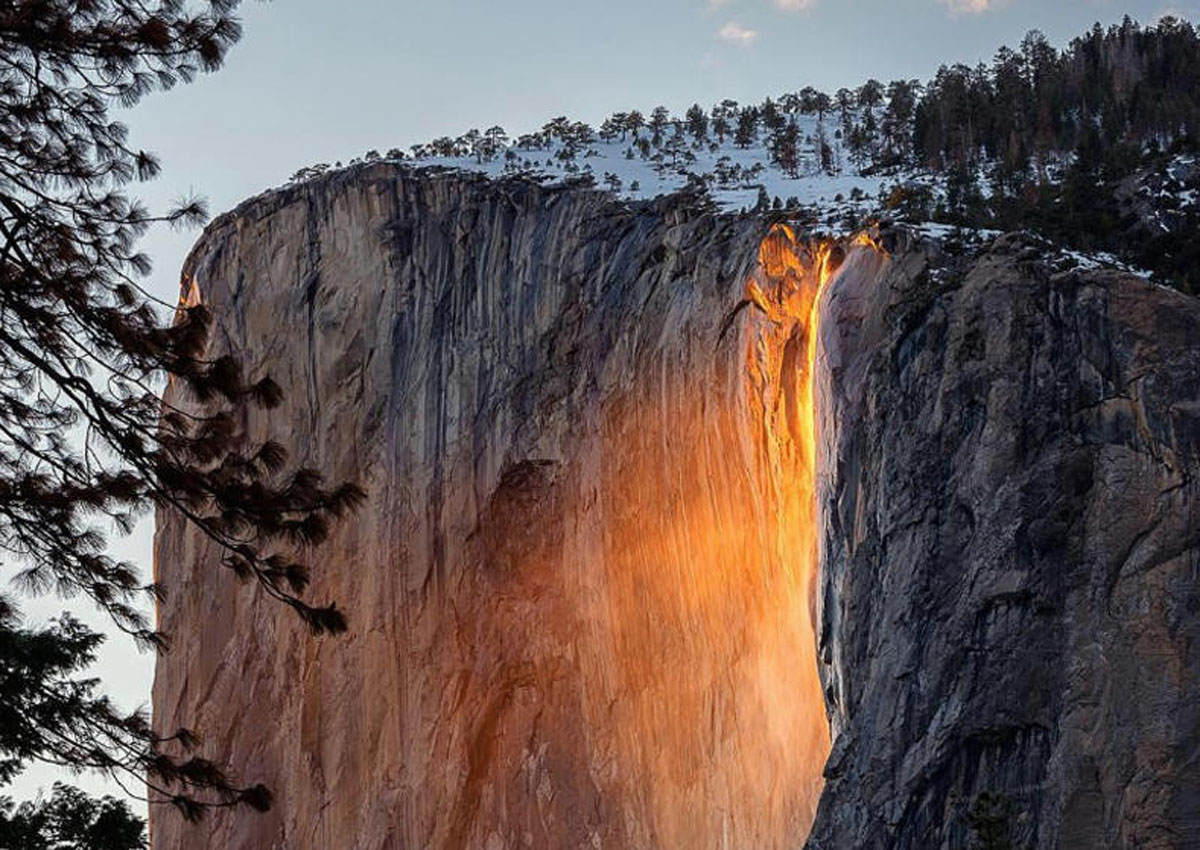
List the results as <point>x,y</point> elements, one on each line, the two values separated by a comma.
<point>1124,84</point>
<point>1039,137</point>
<point>88,444</point>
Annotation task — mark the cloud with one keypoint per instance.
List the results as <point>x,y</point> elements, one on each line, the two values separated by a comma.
<point>784,5</point>
<point>969,7</point>
<point>1171,12</point>
<point>737,34</point>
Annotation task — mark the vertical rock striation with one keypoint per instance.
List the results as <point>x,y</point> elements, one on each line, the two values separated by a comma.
<point>1012,547</point>
<point>583,592</point>
<point>580,594</point>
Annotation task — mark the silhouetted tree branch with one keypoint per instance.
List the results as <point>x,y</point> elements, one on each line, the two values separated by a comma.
<point>86,443</point>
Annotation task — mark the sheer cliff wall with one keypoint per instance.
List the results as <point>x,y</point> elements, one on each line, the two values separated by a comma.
<point>1011,558</point>
<point>583,592</point>
<point>580,591</point>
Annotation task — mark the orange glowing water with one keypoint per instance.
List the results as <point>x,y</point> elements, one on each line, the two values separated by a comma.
<point>711,535</point>
<point>781,357</point>
<point>625,655</point>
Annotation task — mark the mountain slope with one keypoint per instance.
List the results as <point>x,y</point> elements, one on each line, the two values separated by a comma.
<point>1092,146</point>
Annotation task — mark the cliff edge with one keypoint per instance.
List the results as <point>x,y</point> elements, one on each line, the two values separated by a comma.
<point>604,445</point>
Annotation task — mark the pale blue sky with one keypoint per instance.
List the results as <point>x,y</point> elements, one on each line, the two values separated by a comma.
<point>317,80</point>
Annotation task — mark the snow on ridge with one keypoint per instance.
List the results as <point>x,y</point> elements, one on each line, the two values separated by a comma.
<point>733,175</point>
<point>824,186</point>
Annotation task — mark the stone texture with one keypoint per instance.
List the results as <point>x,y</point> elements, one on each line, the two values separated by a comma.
<point>1011,553</point>
<point>580,593</point>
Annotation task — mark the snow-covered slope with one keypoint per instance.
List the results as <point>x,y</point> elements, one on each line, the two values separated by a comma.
<point>823,175</point>
<point>835,168</point>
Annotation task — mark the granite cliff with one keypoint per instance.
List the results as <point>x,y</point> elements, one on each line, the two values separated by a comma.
<point>1011,553</point>
<point>586,602</point>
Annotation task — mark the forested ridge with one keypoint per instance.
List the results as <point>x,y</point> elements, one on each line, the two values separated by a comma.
<point>1089,145</point>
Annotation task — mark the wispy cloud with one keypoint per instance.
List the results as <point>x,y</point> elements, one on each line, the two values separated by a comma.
<point>1173,12</point>
<point>737,34</point>
<point>784,5</point>
<point>969,7</point>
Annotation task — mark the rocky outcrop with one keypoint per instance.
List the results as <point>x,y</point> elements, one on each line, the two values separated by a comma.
<point>579,596</point>
<point>582,593</point>
<point>1011,552</point>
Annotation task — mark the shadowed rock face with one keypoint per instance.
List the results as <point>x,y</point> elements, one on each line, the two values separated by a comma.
<point>1011,555</point>
<point>580,593</point>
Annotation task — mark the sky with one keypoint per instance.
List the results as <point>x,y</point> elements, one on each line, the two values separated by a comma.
<point>317,81</point>
<point>321,81</point>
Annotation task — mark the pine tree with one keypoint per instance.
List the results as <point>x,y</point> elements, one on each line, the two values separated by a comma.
<point>785,148</point>
<point>635,122</point>
<point>659,119</point>
<point>870,94</point>
<point>70,820</point>
<point>772,119</point>
<point>86,443</point>
<point>494,140</point>
<point>747,127</point>
<point>697,122</point>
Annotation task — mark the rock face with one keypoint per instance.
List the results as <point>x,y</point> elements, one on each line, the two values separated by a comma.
<point>582,594</point>
<point>1011,553</point>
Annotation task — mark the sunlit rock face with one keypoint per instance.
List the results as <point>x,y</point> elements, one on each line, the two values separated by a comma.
<point>581,591</point>
<point>1011,591</point>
